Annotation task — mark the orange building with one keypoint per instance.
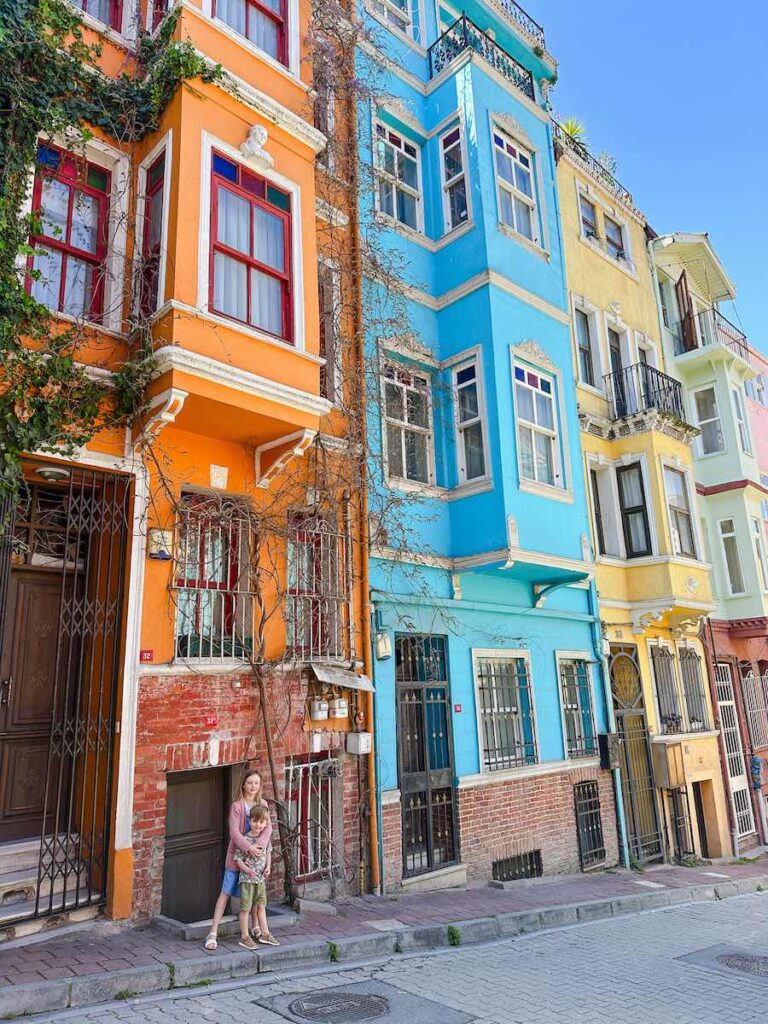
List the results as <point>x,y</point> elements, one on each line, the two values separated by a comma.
<point>170,569</point>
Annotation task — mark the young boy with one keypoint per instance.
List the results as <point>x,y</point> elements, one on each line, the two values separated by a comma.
<point>253,889</point>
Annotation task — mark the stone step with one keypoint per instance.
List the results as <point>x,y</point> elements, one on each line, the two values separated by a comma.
<point>279,917</point>
<point>23,854</point>
<point>25,908</point>
<point>21,886</point>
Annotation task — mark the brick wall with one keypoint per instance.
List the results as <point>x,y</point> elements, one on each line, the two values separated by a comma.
<point>392,834</point>
<point>198,721</point>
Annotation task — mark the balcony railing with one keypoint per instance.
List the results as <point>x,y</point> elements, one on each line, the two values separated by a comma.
<point>465,35</point>
<point>709,327</point>
<point>524,20</point>
<point>615,187</point>
<point>642,388</point>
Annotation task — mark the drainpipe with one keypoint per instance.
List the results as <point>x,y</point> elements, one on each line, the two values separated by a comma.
<point>597,644</point>
<point>377,793</point>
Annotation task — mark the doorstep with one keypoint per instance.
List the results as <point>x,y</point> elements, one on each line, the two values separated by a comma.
<point>452,877</point>
<point>279,916</point>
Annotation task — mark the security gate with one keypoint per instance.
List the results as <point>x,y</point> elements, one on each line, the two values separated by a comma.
<point>64,549</point>
<point>638,791</point>
<point>424,753</point>
<point>738,782</point>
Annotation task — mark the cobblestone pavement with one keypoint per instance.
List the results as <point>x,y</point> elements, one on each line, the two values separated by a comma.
<point>618,971</point>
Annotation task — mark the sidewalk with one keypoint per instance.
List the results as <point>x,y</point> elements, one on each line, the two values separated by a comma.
<point>105,961</point>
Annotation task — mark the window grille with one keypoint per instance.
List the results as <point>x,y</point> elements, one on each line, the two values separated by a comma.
<point>506,712</point>
<point>318,618</point>
<point>755,689</point>
<point>576,698</point>
<point>520,865</point>
<point>309,793</point>
<point>735,762</point>
<point>693,690</point>
<point>666,690</point>
<point>214,580</point>
<point>681,823</point>
<point>589,824</point>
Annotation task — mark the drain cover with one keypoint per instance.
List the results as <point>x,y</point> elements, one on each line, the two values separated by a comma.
<point>339,1007</point>
<point>746,963</point>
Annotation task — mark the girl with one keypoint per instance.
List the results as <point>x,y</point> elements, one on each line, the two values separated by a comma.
<point>239,826</point>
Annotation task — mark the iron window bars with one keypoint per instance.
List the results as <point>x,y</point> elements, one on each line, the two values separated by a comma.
<point>589,824</point>
<point>755,689</point>
<point>506,713</point>
<point>676,715</point>
<point>576,701</point>
<point>517,866</point>
<point>309,796</point>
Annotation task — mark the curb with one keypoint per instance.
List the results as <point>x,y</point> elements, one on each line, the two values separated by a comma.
<point>181,975</point>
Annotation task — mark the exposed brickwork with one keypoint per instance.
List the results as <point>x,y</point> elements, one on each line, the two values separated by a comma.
<point>197,721</point>
<point>392,834</point>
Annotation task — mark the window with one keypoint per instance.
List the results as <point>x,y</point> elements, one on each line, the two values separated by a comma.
<point>70,199</point>
<point>327,286</point>
<point>634,514</point>
<point>455,210</point>
<point>755,690</point>
<point>667,697</point>
<point>588,218</point>
<point>158,10</point>
<point>514,180</point>
<point>731,555</point>
<point>397,165</point>
<point>402,15</point>
<point>505,703</point>
<point>597,508</point>
<point>764,509</point>
<point>108,11</point>
<point>316,602</point>
<point>741,421</point>
<point>309,786</point>
<point>469,424</point>
<point>576,702</point>
<point>708,420</point>
<point>152,237</point>
<point>261,22</point>
<point>614,239</point>
<point>214,596</point>
<point>680,519</point>
<point>408,416</point>
<point>584,341</point>
<point>697,715</point>
<point>589,824</point>
<point>536,427</point>
<point>324,110</point>
<point>251,249</point>
<point>759,542</point>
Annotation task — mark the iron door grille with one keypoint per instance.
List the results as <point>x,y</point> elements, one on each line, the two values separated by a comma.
<point>425,753</point>
<point>589,824</point>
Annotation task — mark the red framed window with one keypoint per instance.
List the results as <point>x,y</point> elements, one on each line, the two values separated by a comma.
<point>159,10</point>
<point>250,249</point>
<point>70,197</point>
<point>263,22</point>
<point>108,11</point>
<point>152,238</point>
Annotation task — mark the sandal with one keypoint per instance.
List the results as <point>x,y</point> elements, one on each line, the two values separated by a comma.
<point>255,934</point>
<point>268,940</point>
<point>211,941</point>
<point>248,943</point>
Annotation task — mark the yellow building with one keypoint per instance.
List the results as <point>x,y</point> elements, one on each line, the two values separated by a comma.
<point>652,577</point>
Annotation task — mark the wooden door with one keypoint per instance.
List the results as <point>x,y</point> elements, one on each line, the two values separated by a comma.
<point>685,308</point>
<point>27,676</point>
<point>195,844</point>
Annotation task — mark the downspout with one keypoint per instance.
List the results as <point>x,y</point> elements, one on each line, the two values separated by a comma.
<point>379,814</point>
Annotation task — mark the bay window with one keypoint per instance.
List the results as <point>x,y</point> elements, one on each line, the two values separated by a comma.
<point>408,425</point>
<point>759,542</point>
<point>537,429</point>
<point>454,179</point>
<point>515,186</point>
<point>741,421</point>
<point>152,237</point>
<point>250,249</point>
<point>261,22</point>
<point>71,206</point>
<point>680,519</point>
<point>469,424</point>
<point>634,513</point>
<point>397,171</point>
<point>731,556</point>
<point>708,422</point>
<point>108,11</point>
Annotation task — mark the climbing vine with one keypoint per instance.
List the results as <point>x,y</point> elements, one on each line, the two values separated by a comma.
<point>50,84</point>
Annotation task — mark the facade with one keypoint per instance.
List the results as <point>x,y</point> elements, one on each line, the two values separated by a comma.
<point>488,673</point>
<point>712,359</point>
<point>201,579</point>
<point>652,570</point>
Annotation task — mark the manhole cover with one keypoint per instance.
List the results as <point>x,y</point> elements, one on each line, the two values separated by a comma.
<point>743,962</point>
<point>339,1007</point>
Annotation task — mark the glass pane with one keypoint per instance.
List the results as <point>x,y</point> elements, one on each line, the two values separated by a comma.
<point>474,456</point>
<point>524,218</point>
<point>386,198</point>
<point>505,211</point>
<point>233,13</point>
<point>525,435</point>
<point>676,488</point>
<point>544,412</point>
<point>630,483</point>
<point>394,451</point>
<point>54,199</point>
<point>269,240</point>
<point>416,456</point>
<point>734,565</point>
<point>230,281</point>
<point>524,398</point>
<point>233,221</point>
<point>504,167</point>
<point>706,405</point>
<point>711,437</point>
<point>452,161</point>
<point>394,401</point>
<point>262,31</point>
<point>85,222</point>
<point>266,302</point>
<point>468,404</point>
<point>408,171</point>
<point>457,200</point>
<point>78,288</point>
<point>523,181</point>
<point>545,471</point>
<point>406,209</point>
<point>46,289</point>
<point>417,408</point>
<point>638,537</point>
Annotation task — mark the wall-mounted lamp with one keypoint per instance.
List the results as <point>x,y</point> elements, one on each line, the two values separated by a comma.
<point>53,474</point>
<point>383,643</point>
<point>160,544</point>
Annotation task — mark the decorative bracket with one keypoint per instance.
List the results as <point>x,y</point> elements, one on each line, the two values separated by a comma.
<point>265,474</point>
<point>163,410</point>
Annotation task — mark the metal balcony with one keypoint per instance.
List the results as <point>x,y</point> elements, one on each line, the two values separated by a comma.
<point>643,388</point>
<point>708,328</point>
<point>565,141</point>
<point>523,19</point>
<point>465,35</point>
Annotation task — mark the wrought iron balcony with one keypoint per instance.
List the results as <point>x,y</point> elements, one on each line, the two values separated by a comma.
<point>524,20</point>
<point>707,328</point>
<point>643,388</point>
<point>465,35</point>
<point>566,141</point>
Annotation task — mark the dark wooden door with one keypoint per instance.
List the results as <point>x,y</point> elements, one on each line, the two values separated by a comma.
<point>195,844</point>
<point>27,676</point>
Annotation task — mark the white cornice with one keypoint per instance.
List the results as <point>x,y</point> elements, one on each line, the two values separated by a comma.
<point>172,357</point>
<point>481,280</point>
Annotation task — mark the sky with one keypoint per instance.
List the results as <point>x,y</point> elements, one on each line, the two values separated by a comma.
<point>677,92</point>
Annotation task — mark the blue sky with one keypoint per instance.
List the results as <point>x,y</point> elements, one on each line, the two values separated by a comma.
<point>677,91</point>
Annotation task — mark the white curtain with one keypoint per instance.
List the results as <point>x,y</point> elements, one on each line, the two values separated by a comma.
<point>266,302</point>
<point>230,280</point>
<point>269,241</point>
<point>263,32</point>
<point>232,12</point>
<point>234,221</point>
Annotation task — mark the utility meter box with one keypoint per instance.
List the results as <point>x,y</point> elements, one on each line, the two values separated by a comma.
<point>359,743</point>
<point>668,765</point>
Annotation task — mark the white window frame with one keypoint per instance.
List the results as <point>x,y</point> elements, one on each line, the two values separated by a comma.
<point>555,435</point>
<point>396,183</point>
<point>333,365</point>
<point>393,17</point>
<point>165,145</point>
<point>449,183</point>
<point>673,532</point>
<point>514,192</point>
<point>481,418</point>
<point>595,342</point>
<point>742,423</point>
<point>502,654</point>
<point>429,431</point>
<point>715,419</point>
<point>293,68</point>
<point>565,656</point>
<point>758,542</point>
<point>585,234</point>
<point>623,256</point>
<point>732,533</point>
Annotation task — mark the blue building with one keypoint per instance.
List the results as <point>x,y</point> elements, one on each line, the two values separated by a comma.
<point>488,651</point>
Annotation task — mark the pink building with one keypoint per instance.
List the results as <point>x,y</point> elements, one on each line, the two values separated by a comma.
<point>757,402</point>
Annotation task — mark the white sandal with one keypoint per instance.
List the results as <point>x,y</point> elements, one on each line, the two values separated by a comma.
<point>211,941</point>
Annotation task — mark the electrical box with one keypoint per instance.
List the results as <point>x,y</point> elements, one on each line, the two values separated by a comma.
<point>668,765</point>
<point>359,743</point>
<point>609,745</point>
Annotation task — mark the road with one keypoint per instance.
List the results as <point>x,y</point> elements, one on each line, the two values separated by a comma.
<point>622,971</point>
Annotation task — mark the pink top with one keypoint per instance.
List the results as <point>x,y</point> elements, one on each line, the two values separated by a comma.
<point>238,837</point>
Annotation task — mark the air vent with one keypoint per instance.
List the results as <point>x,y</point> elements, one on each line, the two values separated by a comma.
<point>521,865</point>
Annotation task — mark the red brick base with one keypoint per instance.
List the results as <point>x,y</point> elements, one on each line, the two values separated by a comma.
<point>200,721</point>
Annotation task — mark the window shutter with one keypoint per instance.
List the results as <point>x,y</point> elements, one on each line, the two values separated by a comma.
<point>686,312</point>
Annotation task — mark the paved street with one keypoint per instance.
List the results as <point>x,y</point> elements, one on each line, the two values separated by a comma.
<point>621,971</point>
